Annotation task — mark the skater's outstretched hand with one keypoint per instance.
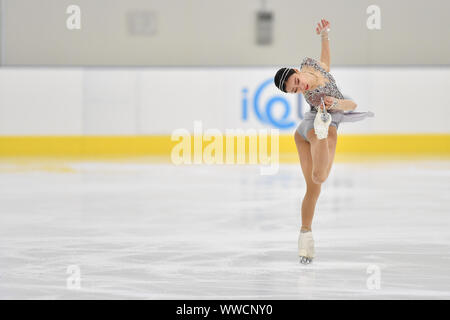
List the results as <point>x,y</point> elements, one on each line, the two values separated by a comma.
<point>323,26</point>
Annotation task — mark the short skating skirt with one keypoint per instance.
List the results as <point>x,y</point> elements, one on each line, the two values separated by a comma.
<point>336,118</point>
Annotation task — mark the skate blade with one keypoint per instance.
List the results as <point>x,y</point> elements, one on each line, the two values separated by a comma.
<point>305,260</point>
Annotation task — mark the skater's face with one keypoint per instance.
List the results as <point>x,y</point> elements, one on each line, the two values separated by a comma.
<point>296,83</point>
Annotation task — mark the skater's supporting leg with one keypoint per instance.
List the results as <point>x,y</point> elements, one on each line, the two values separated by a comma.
<point>312,188</point>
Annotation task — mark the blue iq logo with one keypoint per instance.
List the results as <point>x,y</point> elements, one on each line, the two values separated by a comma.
<point>276,111</point>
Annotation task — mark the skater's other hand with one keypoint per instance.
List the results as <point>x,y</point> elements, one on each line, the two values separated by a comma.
<point>328,102</point>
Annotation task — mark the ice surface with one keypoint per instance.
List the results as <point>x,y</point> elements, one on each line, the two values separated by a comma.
<point>154,231</point>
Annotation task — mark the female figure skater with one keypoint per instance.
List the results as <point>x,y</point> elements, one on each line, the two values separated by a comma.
<point>316,135</point>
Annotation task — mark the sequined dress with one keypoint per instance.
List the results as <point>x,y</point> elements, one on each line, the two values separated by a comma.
<point>313,97</point>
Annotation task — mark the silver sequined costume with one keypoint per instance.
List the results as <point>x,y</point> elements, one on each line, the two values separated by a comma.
<point>313,97</point>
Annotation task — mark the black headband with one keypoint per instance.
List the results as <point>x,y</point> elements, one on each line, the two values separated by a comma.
<point>281,76</point>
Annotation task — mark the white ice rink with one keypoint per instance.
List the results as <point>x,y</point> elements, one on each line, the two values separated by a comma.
<point>150,231</point>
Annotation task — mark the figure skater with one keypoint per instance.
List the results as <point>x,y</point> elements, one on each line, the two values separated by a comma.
<point>316,135</point>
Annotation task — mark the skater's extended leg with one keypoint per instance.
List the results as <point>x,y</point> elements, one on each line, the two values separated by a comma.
<point>322,152</point>
<point>319,153</point>
<point>332,141</point>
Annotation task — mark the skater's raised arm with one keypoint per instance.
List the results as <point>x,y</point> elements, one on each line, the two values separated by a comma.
<point>325,53</point>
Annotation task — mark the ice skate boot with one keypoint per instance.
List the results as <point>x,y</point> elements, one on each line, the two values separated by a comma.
<point>322,122</point>
<point>306,247</point>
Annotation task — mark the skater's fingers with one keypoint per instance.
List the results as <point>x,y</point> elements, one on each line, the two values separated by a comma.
<point>328,100</point>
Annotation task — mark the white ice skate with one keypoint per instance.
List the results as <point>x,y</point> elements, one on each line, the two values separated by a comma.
<point>322,122</point>
<point>306,247</point>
